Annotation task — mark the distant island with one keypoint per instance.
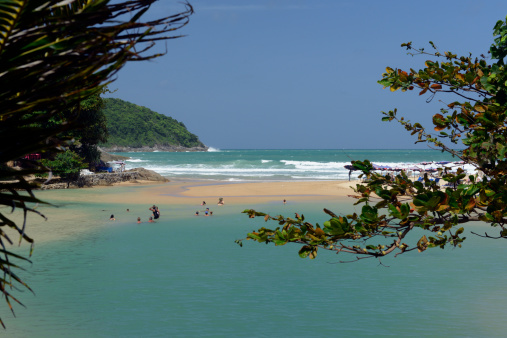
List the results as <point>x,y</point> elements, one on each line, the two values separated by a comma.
<point>134,128</point>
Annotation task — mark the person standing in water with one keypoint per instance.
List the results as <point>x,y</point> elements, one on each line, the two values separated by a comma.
<point>156,212</point>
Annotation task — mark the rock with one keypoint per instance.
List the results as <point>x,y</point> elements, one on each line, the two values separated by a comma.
<point>148,175</point>
<point>108,179</point>
<point>106,157</point>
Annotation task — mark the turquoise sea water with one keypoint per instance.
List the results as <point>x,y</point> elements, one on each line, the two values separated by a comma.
<point>185,277</point>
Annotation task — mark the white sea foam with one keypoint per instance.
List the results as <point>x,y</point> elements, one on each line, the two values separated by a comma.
<point>213,150</point>
<point>315,165</point>
<point>247,165</point>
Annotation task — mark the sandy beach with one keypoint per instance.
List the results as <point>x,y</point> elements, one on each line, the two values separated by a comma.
<point>75,217</point>
<point>178,192</point>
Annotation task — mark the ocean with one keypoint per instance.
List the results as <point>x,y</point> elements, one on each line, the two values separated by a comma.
<point>275,165</point>
<point>185,277</point>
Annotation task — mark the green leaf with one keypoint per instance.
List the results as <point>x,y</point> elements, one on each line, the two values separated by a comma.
<point>305,251</point>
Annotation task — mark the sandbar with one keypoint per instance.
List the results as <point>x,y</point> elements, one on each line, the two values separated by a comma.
<point>74,219</point>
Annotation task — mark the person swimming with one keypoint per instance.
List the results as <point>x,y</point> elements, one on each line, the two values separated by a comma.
<point>139,220</point>
<point>112,218</point>
<point>151,220</point>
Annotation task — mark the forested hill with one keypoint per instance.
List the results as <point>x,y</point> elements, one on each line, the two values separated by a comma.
<point>133,126</point>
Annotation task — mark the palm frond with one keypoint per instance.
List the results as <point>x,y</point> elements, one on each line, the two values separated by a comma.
<point>54,54</point>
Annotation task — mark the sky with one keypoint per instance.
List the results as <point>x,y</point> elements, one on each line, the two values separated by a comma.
<point>301,74</point>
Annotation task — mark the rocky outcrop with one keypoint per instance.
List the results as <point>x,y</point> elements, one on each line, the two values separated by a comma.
<point>147,175</point>
<point>106,157</point>
<point>168,148</point>
<point>108,179</point>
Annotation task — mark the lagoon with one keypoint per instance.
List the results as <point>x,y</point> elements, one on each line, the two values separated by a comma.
<point>185,277</point>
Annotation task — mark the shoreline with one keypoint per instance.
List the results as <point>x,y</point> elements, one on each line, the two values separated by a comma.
<point>244,192</point>
<point>185,189</point>
<point>81,210</point>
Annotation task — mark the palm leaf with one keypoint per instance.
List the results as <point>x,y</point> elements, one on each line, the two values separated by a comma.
<point>53,55</point>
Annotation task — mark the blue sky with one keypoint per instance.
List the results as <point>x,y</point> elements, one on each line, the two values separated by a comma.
<point>274,74</point>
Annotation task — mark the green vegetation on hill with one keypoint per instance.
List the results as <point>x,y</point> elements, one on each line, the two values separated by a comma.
<point>130,125</point>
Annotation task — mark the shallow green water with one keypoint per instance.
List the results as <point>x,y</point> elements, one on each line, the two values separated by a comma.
<point>184,276</point>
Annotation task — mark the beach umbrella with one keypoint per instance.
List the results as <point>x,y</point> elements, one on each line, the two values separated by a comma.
<point>413,169</point>
<point>460,163</point>
<point>442,162</point>
<point>425,164</point>
<point>350,168</point>
<point>387,168</point>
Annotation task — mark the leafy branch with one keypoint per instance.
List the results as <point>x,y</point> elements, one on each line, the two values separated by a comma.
<point>397,210</point>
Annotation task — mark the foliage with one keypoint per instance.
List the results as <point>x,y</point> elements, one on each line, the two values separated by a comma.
<point>130,125</point>
<point>396,209</point>
<point>53,55</point>
<point>66,165</point>
<point>89,115</point>
<point>91,128</point>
